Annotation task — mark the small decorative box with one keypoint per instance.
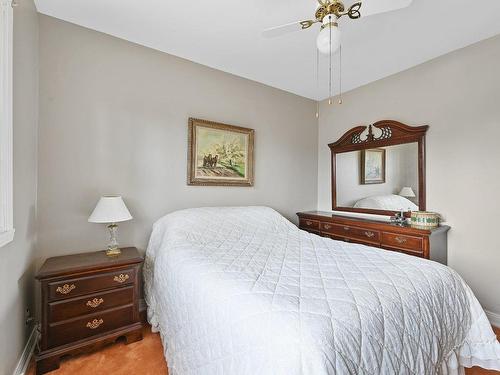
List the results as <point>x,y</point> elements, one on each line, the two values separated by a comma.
<point>425,219</point>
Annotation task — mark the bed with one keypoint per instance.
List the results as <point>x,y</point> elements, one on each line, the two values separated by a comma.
<point>244,291</point>
<point>389,202</point>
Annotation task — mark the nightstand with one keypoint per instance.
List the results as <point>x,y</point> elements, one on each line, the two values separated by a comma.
<point>88,300</point>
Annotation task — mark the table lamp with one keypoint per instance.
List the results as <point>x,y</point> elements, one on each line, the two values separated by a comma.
<point>407,192</point>
<point>111,210</point>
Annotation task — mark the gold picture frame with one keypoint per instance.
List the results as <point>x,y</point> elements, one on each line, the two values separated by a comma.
<point>373,166</point>
<point>219,154</point>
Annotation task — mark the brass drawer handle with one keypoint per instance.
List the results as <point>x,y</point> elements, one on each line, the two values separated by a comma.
<point>65,289</point>
<point>94,323</point>
<point>95,302</point>
<point>121,278</point>
<point>401,240</point>
<point>327,226</point>
<point>346,228</point>
<point>369,234</point>
<point>308,223</point>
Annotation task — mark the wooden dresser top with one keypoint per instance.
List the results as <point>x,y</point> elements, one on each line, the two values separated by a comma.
<point>93,261</point>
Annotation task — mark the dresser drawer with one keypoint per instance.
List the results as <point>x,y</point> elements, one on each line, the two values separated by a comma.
<point>70,308</point>
<point>413,245</point>
<point>349,240</point>
<point>346,231</point>
<point>307,224</point>
<point>419,254</point>
<point>90,325</point>
<point>90,284</point>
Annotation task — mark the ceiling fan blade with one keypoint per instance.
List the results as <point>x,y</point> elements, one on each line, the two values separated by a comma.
<point>371,7</point>
<point>288,28</point>
<point>354,11</point>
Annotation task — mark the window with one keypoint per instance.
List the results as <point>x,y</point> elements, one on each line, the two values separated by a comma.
<point>6,149</point>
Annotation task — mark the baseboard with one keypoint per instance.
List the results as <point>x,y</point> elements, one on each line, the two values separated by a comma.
<point>24,361</point>
<point>493,318</point>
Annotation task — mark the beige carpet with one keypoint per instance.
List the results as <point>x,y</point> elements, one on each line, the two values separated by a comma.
<point>143,357</point>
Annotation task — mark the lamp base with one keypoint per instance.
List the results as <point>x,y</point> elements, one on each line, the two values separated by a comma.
<point>113,249</point>
<point>113,252</point>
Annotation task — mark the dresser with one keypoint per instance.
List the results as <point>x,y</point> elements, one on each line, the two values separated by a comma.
<point>425,243</point>
<point>88,300</point>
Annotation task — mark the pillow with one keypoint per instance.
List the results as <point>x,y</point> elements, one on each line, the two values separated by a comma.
<point>389,202</point>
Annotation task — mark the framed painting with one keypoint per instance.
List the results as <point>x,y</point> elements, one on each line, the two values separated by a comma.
<point>373,166</point>
<point>219,154</point>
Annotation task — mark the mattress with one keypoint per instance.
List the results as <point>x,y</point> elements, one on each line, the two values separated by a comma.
<point>241,290</point>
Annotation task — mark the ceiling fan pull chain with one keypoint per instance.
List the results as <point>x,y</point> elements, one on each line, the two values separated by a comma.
<point>317,81</point>
<point>340,77</point>
<point>330,64</point>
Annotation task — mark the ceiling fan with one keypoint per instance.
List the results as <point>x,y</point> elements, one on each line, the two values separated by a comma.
<point>328,12</point>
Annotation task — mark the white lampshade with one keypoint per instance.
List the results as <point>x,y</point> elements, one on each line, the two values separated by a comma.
<point>110,209</point>
<point>323,41</point>
<point>407,192</point>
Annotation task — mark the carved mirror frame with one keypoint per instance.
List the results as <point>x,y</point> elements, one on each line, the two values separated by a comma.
<point>392,133</point>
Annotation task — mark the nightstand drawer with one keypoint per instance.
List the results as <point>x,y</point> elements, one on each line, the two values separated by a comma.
<point>403,242</point>
<point>90,284</point>
<point>90,325</point>
<point>70,308</point>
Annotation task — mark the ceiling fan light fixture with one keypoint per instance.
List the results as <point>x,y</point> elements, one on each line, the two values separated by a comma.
<point>328,12</point>
<point>323,41</point>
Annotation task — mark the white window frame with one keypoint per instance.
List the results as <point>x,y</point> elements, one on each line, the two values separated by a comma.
<point>6,123</point>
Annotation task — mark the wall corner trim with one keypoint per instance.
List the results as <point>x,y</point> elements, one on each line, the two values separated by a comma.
<point>6,237</point>
<point>24,360</point>
<point>6,116</point>
<point>494,318</point>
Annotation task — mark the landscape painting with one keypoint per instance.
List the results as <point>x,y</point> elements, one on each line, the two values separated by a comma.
<point>373,166</point>
<point>219,154</point>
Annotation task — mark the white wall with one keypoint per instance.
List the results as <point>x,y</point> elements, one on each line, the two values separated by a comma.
<point>113,119</point>
<point>458,95</point>
<point>17,265</point>
<point>401,170</point>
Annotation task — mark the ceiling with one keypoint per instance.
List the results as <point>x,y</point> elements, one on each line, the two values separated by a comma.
<point>227,35</point>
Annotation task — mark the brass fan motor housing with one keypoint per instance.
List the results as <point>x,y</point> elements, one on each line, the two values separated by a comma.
<point>335,7</point>
<point>329,7</point>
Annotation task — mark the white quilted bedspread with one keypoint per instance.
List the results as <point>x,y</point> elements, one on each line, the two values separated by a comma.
<point>244,291</point>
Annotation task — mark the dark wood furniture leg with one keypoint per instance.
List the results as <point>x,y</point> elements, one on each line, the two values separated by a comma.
<point>47,364</point>
<point>133,337</point>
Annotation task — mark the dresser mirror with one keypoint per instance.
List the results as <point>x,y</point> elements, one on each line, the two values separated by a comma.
<point>379,169</point>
